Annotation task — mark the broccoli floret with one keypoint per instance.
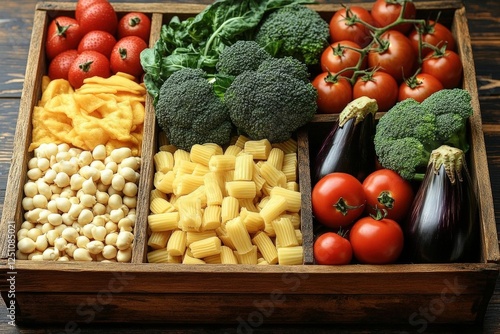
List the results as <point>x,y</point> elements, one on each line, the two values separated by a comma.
<point>286,65</point>
<point>270,103</point>
<point>241,56</point>
<point>190,112</point>
<point>452,108</point>
<point>406,135</point>
<point>296,31</point>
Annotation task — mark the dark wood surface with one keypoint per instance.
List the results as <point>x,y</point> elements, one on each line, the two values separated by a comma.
<point>16,18</point>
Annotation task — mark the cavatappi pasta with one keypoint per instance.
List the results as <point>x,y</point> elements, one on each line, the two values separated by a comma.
<point>240,205</point>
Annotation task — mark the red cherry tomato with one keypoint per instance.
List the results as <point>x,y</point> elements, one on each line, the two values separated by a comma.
<point>396,58</point>
<point>332,249</point>
<point>385,13</point>
<point>98,15</point>
<point>433,33</point>
<point>59,66</point>
<point>419,87</point>
<point>126,56</point>
<point>376,241</point>
<point>63,34</point>
<point>134,24</point>
<point>387,190</point>
<point>446,67</point>
<point>333,93</point>
<point>338,199</point>
<point>339,56</point>
<point>97,40</point>
<point>82,5</point>
<point>379,86</point>
<point>87,65</point>
<point>344,25</point>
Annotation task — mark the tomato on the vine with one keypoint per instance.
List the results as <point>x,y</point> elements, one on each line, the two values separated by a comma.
<point>433,33</point>
<point>386,12</point>
<point>63,34</point>
<point>396,56</point>
<point>134,24</point>
<point>445,66</point>
<point>379,86</point>
<point>126,56</point>
<point>345,25</point>
<point>334,92</point>
<point>419,87</point>
<point>341,55</point>
<point>97,40</point>
<point>331,248</point>
<point>87,65</point>
<point>376,240</point>
<point>387,190</point>
<point>97,15</point>
<point>338,199</point>
<point>59,66</point>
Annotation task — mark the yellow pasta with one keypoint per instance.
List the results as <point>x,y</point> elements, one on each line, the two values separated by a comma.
<point>182,167</point>
<point>165,182</point>
<point>298,235</point>
<point>266,247</point>
<point>285,233</point>
<point>257,178</point>
<point>273,208</point>
<point>200,170</point>
<point>227,256</point>
<point>289,146</point>
<point>293,198</point>
<point>233,150</point>
<point>261,261</point>
<point>158,240</point>
<point>199,193</point>
<point>158,256</point>
<point>157,193</point>
<point>241,189</point>
<point>253,221</point>
<point>249,204</point>
<point>196,236</point>
<point>213,259</point>
<point>212,189</point>
<point>168,148</point>
<point>161,205</point>
<point>292,185</point>
<point>230,208</point>
<point>187,259</point>
<point>237,232</point>
<point>294,218</point>
<point>181,155</point>
<point>190,214</point>
<point>205,247</point>
<point>260,149</point>
<point>164,161</point>
<point>290,167</point>
<point>166,221</point>
<point>187,184</point>
<point>221,163</point>
<point>240,141</point>
<point>247,258</point>
<point>243,167</point>
<point>201,154</point>
<point>211,218</point>
<point>276,157</point>
<point>176,245</point>
<point>273,176</point>
<point>217,147</point>
<point>290,255</point>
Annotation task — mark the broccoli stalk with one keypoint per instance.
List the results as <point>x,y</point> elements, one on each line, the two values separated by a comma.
<point>406,135</point>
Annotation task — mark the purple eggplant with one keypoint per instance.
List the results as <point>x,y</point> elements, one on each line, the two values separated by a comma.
<point>442,224</point>
<point>349,147</point>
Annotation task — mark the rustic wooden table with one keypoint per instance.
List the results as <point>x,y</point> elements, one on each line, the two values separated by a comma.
<point>16,18</point>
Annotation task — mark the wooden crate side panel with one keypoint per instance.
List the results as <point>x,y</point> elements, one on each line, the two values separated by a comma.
<point>479,168</point>
<point>247,309</point>
<point>35,69</point>
<point>361,279</point>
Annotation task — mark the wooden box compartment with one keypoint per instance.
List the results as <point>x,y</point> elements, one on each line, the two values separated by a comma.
<point>139,292</point>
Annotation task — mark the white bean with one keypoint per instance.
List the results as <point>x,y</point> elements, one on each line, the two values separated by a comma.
<point>43,164</point>
<point>75,210</point>
<point>52,206</point>
<point>87,230</point>
<point>63,156</point>
<point>60,244</point>
<point>62,180</point>
<point>99,152</point>
<point>51,149</point>
<point>116,215</point>
<point>34,233</point>
<point>118,182</point>
<point>81,254</point>
<point>76,181</point>
<point>111,239</point>
<point>118,154</point>
<point>109,252</point>
<point>98,165</point>
<point>85,158</point>
<point>30,189</point>
<point>63,204</point>
<point>35,173</point>
<point>89,187</point>
<point>52,235</point>
<point>99,220</point>
<point>88,200</point>
<point>67,219</point>
<point>40,201</point>
<point>41,243</point>
<point>50,254</point>
<point>82,241</point>
<point>22,233</point>
<point>85,217</point>
<point>33,163</point>
<point>124,240</point>
<point>26,245</point>
<point>99,233</point>
<point>127,173</point>
<point>27,203</point>
<point>113,166</point>
<point>115,201</point>
<point>131,162</point>
<point>98,209</point>
<point>130,202</point>
<point>42,217</point>
<point>95,247</point>
<point>36,257</point>
<point>111,227</point>
<point>70,249</point>
<point>55,219</point>
<point>63,259</point>
<point>130,189</point>
<point>124,255</point>
<point>50,176</point>
<point>47,227</point>
<point>70,234</point>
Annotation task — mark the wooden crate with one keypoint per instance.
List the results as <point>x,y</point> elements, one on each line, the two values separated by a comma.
<point>140,292</point>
